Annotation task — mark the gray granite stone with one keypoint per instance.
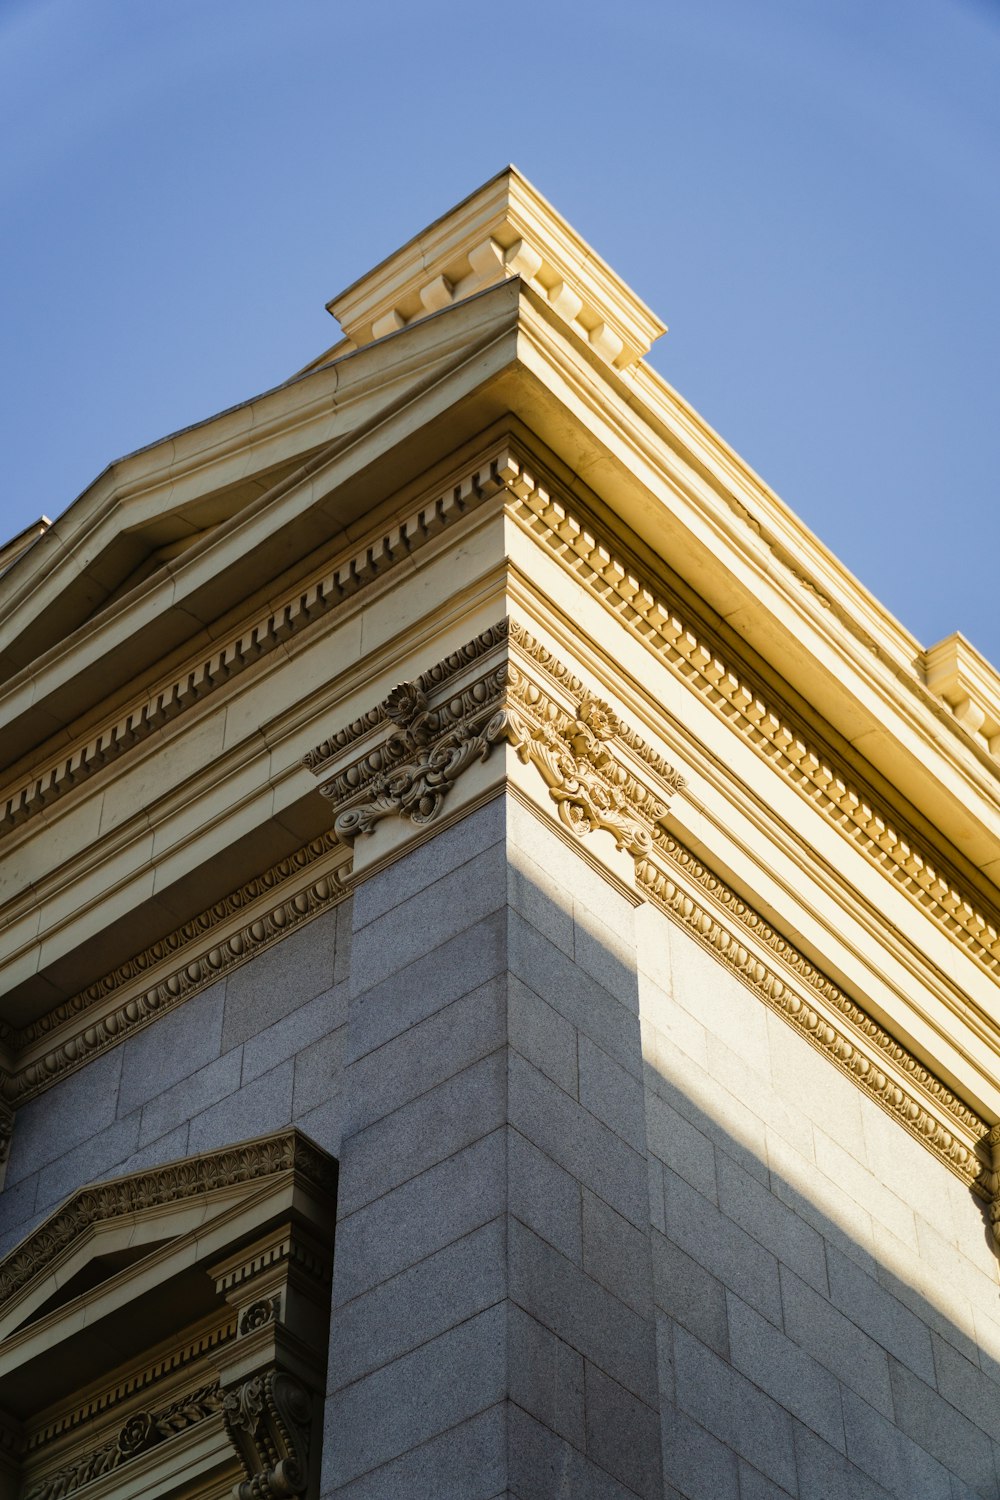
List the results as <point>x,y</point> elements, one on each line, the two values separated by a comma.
<point>418,1396</point>
<point>889,1457</point>
<point>719,1245</point>
<point>752,1206</point>
<point>578,1310</point>
<point>199,1091</point>
<point>458,1112</point>
<point>545,1376</point>
<point>443,1204</point>
<point>796,1381</point>
<point>612,1094</point>
<point>681,1147</point>
<point>541,898</point>
<point>544,1197</point>
<point>623,1434</point>
<point>262,1106</point>
<point>175,1045</point>
<point>169,1147</point>
<point>65,1116</point>
<point>590,1008</point>
<point>695,1462</point>
<point>823,1472</point>
<point>832,1339</point>
<point>429,918</point>
<point>319,1072</point>
<point>543,1466</point>
<point>300,1029</point>
<point>756,1486</point>
<point>874,1309</point>
<point>542,1036</point>
<point>448,851</point>
<point>457,967</point>
<point>577,1141</point>
<point>420,1303</point>
<point>966,1387</point>
<point>684,1289</point>
<point>279,980</point>
<point>932,1422</point>
<point>735,1410</point>
<point>617,1254</point>
<point>465,1463</point>
<point>427,1054</point>
<point>100,1156</point>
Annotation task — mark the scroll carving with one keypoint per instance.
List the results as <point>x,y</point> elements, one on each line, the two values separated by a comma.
<point>268,1418</point>
<point>426,748</point>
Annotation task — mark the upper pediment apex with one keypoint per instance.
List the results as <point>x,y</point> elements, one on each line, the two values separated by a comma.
<point>504,229</point>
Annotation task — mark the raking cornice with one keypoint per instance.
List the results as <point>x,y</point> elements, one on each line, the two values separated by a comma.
<point>335,584</point>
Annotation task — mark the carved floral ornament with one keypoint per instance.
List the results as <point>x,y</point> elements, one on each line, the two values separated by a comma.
<point>421,751</point>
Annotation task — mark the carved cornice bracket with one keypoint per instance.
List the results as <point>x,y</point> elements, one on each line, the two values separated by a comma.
<point>269,1419</point>
<point>418,749</point>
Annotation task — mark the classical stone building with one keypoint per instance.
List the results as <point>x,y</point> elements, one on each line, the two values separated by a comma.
<point>499,945</point>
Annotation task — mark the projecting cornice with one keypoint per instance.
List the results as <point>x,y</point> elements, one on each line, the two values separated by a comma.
<point>505,229</point>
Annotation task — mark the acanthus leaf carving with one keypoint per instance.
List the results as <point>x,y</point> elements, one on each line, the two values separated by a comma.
<point>269,1419</point>
<point>410,770</point>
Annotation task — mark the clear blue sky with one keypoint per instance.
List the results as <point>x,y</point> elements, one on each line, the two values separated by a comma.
<point>805,190</point>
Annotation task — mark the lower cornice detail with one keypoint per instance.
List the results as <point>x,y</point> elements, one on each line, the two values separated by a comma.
<point>192,1177</point>
<point>79,1034</point>
<point>143,1431</point>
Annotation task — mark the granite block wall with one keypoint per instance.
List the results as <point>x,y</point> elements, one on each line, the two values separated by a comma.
<point>827,1296</point>
<point>607,1227</point>
<point>255,1052</point>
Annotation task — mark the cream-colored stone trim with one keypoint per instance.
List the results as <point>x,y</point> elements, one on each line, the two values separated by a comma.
<point>970,685</point>
<point>248,1162</point>
<point>642,609</point>
<point>229,933</point>
<point>504,229</point>
<point>174,1416</point>
<point>333,585</point>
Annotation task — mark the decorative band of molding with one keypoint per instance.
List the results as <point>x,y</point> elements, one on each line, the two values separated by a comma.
<point>97,1404</point>
<point>858,1057</point>
<point>250,1161</point>
<point>654,621</point>
<point>422,751</point>
<point>93,1035</point>
<point>143,1431</point>
<point>308,603</point>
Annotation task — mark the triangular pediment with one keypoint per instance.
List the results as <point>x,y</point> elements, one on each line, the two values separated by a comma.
<point>119,1265</point>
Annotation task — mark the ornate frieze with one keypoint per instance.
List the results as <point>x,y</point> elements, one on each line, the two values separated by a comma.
<point>143,1431</point>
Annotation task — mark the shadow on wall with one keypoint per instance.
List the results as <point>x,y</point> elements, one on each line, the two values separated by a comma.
<point>827,1289</point>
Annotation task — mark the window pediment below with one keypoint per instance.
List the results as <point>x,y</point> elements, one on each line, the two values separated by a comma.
<point>165,1333</point>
